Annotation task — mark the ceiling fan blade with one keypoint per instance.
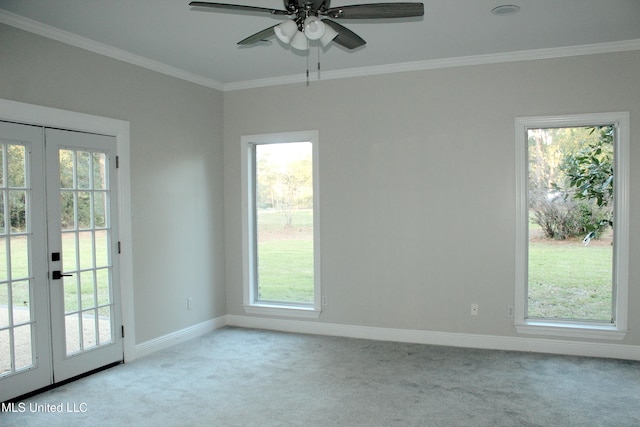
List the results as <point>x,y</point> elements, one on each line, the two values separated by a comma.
<point>259,36</point>
<point>345,37</point>
<point>238,7</point>
<point>376,11</point>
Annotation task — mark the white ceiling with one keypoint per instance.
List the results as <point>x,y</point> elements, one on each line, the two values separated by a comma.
<point>201,44</point>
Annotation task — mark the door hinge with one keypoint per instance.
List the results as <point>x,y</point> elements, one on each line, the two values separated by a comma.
<point>122,331</point>
<point>117,162</point>
<point>119,247</point>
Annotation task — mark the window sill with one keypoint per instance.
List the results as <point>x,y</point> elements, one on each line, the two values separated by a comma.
<point>571,330</point>
<point>283,310</point>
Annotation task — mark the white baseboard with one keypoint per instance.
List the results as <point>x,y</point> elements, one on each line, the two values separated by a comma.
<point>453,339</point>
<point>173,338</point>
<point>491,342</point>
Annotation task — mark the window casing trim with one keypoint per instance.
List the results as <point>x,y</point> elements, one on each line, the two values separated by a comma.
<point>617,329</point>
<point>251,303</point>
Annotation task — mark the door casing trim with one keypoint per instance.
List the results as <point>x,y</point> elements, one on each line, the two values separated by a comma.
<point>29,114</point>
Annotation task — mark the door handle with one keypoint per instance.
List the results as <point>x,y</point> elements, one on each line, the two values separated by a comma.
<point>56,275</point>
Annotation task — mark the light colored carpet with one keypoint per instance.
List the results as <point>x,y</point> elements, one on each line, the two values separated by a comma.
<point>240,377</point>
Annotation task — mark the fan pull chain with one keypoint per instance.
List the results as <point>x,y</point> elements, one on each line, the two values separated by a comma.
<point>318,61</point>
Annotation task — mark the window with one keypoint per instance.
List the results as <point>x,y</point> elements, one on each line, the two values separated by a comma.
<point>572,235</point>
<point>280,209</point>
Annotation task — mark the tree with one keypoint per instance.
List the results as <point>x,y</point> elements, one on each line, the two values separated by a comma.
<point>90,174</point>
<point>590,170</point>
<point>284,185</point>
<point>571,180</point>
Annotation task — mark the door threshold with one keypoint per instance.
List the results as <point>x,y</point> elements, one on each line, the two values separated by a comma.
<point>61,383</point>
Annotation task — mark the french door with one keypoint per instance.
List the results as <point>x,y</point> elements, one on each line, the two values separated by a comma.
<point>59,298</point>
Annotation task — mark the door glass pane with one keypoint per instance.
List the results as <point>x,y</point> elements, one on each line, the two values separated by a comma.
<point>84,209</point>
<point>19,249</point>
<point>85,249</point>
<point>2,209</point>
<point>69,252</point>
<point>67,210</point>
<point>88,290</point>
<point>99,171</point>
<point>21,302</point>
<point>22,350</point>
<point>102,285</point>
<point>16,317</point>
<point>71,297</point>
<point>67,161</point>
<point>85,239</point>
<point>84,169</point>
<point>104,325</point>
<point>100,209</point>
<point>17,210</point>
<point>5,353</point>
<point>102,249</point>
<point>89,329</point>
<point>4,260</point>
<point>72,332</point>
<point>4,304</point>
<point>16,166</point>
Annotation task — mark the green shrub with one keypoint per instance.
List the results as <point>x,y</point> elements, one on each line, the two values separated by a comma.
<point>560,217</point>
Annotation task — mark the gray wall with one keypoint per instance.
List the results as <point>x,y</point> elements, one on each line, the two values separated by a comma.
<point>176,168</point>
<point>417,185</point>
<point>416,178</point>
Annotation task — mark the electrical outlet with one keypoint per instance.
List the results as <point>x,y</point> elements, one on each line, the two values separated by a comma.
<point>189,303</point>
<point>324,300</point>
<point>510,312</point>
<point>474,309</point>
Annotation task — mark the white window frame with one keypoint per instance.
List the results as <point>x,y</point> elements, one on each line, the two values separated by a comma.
<point>575,329</point>
<point>249,251</point>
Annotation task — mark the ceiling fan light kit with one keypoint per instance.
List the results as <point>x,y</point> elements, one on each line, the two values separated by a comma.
<point>313,28</point>
<point>305,24</point>
<point>328,36</point>
<point>285,31</point>
<point>300,41</point>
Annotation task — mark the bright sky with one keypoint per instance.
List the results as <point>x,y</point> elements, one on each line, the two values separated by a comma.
<point>283,154</point>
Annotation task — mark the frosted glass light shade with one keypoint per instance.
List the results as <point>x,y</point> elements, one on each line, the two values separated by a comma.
<point>299,41</point>
<point>285,31</point>
<point>313,28</point>
<point>329,34</point>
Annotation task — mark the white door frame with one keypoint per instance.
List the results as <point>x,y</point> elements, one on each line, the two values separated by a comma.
<point>20,112</point>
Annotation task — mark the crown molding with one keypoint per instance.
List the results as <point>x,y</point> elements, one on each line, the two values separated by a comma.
<point>103,49</point>
<point>431,64</point>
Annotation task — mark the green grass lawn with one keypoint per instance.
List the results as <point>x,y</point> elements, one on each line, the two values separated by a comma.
<point>285,257</point>
<point>20,290</point>
<point>286,270</point>
<point>570,281</point>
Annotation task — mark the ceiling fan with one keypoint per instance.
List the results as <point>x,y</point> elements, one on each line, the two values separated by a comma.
<point>308,20</point>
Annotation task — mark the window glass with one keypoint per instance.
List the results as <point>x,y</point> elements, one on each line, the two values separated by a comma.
<point>570,245</point>
<point>283,207</point>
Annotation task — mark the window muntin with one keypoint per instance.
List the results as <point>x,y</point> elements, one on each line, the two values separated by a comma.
<point>565,325</point>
